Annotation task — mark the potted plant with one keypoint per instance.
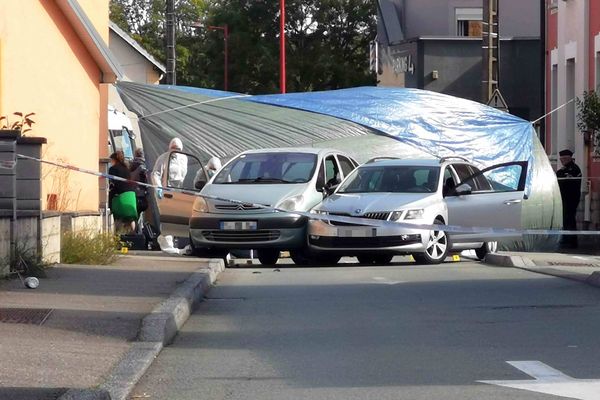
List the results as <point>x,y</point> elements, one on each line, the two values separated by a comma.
<point>588,116</point>
<point>22,125</point>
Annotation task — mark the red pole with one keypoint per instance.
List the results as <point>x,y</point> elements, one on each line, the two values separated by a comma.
<point>282,72</point>
<point>226,44</point>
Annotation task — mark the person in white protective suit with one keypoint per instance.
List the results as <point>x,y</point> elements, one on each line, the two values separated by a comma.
<point>177,165</point>
<point>212,167</point>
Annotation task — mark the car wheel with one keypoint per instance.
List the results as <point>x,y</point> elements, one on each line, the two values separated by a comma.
<point>487,248</point>
<point>382,259</point>
<point>437,248</point>
<point>268,257</point>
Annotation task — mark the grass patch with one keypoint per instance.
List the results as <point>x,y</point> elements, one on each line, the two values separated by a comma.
<point>89,249</point>
<point>27,261</point>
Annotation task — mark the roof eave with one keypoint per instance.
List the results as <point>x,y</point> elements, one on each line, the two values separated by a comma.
<point>95,45</point>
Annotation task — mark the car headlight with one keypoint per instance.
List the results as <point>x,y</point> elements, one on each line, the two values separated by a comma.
<point>291,204</point>
<point>200,206</point>
<point>414,214</point>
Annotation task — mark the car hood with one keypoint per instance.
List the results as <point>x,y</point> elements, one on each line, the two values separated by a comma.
<point>265,194</point>
<point>374,202</point>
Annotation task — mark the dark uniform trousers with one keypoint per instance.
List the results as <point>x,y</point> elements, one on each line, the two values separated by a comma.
<point>570,191</point>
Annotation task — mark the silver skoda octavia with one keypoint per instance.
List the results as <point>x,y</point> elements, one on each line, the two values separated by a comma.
<point>448,191</point>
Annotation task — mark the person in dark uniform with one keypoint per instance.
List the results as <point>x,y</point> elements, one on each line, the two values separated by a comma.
<point>569,182</point>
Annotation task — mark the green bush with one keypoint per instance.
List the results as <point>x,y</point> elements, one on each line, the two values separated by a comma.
<point>89,249</point>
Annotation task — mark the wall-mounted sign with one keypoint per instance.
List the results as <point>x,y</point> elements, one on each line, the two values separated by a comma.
<point>403,64</point>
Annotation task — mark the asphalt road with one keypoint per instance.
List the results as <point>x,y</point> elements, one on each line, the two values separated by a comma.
<point>394,332</point>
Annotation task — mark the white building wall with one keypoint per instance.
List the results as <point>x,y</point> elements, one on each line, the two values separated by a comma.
<point>571,53</point>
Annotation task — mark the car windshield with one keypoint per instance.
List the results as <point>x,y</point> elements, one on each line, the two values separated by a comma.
<point>392,179</point>
<point>269,168</point>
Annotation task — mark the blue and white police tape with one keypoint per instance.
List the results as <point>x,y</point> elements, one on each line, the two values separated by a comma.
<point>357,220</point>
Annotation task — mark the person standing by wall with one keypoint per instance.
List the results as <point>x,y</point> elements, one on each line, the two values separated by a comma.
<point>569,181</point>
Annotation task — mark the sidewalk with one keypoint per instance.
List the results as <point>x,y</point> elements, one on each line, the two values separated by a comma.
<point>95,313</point>
<point>579,267</point>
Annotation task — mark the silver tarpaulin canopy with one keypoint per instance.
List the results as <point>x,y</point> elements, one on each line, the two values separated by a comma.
<point>365,122</point>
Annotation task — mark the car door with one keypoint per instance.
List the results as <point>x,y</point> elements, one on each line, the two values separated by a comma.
<point>184,172</point>
<point>491,198</point>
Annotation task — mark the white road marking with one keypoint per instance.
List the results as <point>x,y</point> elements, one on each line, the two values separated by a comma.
<point>582,258</point>
<point>551,381</point>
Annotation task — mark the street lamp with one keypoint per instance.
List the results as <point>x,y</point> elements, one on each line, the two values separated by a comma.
<point>225,29</point>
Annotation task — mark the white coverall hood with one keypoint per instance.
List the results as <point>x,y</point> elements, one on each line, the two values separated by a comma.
<point>176,144</point>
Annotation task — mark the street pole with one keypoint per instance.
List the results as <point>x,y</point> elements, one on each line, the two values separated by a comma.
<point>282,71</point>
<point>226,56</point>
<point>170,37</point>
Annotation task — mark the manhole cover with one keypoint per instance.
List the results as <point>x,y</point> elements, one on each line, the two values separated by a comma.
<point>35,316</point>
<point>562,264</point>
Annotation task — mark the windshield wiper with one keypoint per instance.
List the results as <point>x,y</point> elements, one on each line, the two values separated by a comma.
<point>262,179</point>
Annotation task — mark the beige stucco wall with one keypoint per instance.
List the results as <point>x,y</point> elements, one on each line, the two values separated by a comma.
<point>45,68</point>
<point>135,66</point>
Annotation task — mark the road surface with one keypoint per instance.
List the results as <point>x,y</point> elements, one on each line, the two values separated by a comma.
<point>395,332</point>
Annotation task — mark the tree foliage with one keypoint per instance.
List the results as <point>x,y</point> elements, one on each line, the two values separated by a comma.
<point>327,41</point>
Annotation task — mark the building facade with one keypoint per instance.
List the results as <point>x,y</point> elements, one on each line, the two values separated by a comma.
<point>60,70</point>
<point>137,64</point>
<point>573,67</point>
<point>436,45</point>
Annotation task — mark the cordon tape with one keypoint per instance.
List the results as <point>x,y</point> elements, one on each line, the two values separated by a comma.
<point>328,217</point>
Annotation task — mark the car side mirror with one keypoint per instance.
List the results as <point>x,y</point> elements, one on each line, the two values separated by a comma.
<point>463,189</point>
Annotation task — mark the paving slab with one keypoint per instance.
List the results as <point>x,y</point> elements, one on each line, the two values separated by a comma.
<point>96,314</point>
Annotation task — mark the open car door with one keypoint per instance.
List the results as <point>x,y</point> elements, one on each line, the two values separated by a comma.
<point>492,198</point>
<point>184,171</point>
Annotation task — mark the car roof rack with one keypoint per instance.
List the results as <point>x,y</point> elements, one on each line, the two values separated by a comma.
<point>375,159</point>
<point>444,159</point>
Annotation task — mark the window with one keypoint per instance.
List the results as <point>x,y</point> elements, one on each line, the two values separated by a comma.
<point>569,141</point>
<point>463,171</point>
<point>269,168</point>
<point>469,22</point>
<point>503,178</point>
<point>331,170</point>
<point>400,179</point>
<point>346,165</point>
<point>553,105</point>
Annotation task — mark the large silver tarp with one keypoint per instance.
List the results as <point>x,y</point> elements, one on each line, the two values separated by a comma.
<point>365,122</point>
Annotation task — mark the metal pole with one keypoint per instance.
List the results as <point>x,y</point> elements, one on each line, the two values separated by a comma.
<point>282,71</point>
<point>171,78</point>
<point>226,44</point>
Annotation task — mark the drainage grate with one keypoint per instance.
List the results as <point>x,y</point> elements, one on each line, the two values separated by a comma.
<point>35,316</point>
<point>562,264</point>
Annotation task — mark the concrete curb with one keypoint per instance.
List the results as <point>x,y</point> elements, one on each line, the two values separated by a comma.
<point>157,330</point>
<point>524,263</point>
<point>507,260</point>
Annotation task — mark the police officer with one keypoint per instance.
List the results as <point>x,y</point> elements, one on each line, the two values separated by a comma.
<point>569,182</point>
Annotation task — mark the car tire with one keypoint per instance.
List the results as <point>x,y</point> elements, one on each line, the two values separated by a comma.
<point>487,248</point>
<point>380,259</point>
<point>268,257</point>
<point>438,247</point>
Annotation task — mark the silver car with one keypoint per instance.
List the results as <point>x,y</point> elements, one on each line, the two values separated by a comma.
<point>450,191</point>
<point>294,179</point>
